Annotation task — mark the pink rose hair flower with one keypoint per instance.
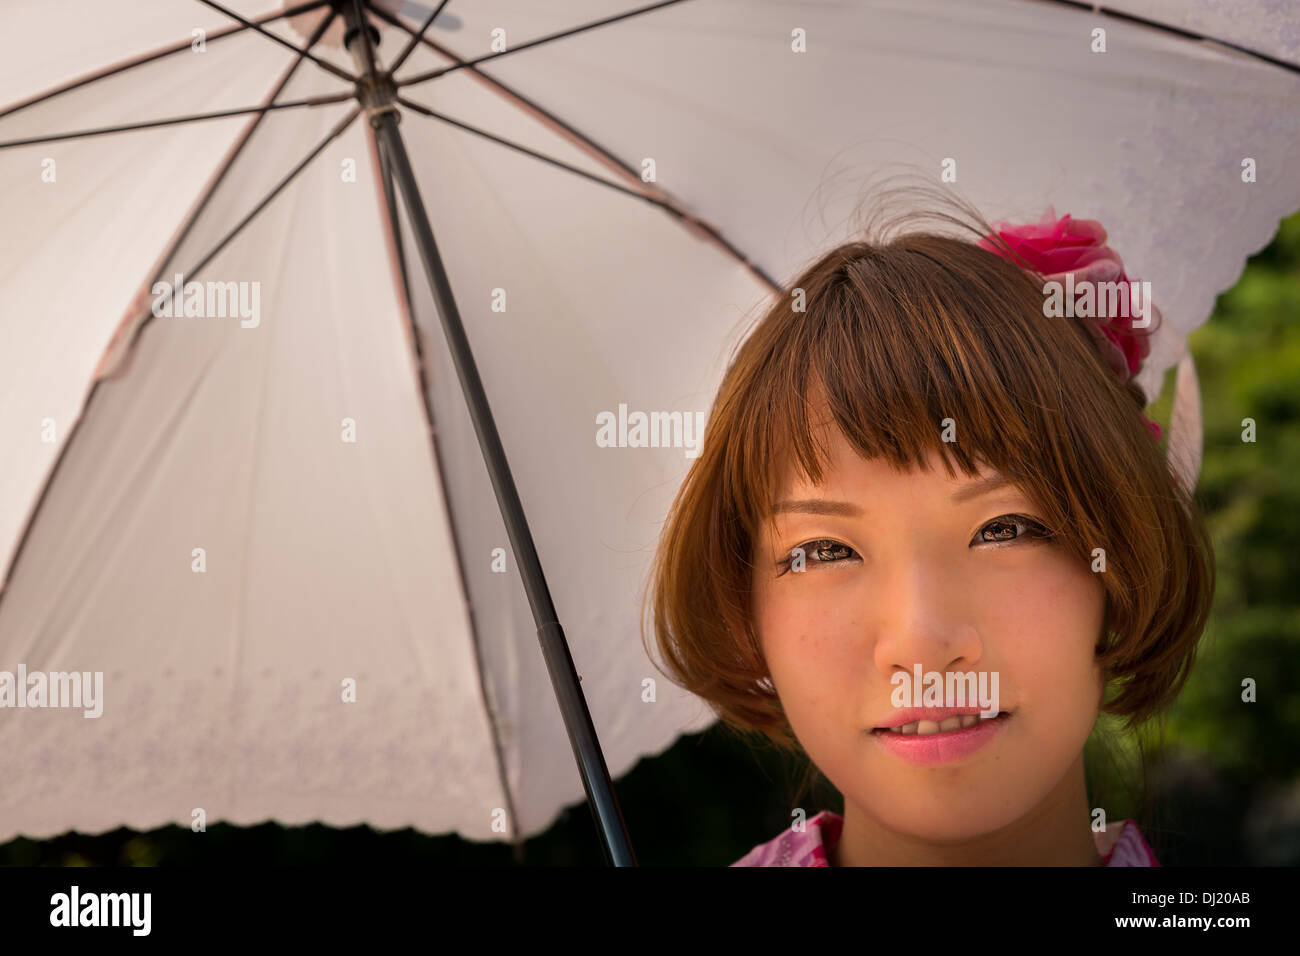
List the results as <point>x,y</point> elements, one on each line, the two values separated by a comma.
<point>1055,247</point>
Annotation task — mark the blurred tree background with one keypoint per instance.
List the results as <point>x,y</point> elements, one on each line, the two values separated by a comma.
<point>1227,790</point>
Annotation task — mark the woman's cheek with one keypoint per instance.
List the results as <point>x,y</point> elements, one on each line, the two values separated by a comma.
<point>1048,648</point>
<point>1059,624</point>
<point>817,661</point>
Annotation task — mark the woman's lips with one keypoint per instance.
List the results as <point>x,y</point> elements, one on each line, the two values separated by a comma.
<point>944,747</point>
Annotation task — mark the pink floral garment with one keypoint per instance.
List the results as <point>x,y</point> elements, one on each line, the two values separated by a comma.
<point>822,831</point>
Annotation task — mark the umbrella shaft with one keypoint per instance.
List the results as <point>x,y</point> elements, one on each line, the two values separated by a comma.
<point>376,93</point>
<point>564,678</point>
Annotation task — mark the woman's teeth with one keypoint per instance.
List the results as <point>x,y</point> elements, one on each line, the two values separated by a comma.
<point>924,727</point>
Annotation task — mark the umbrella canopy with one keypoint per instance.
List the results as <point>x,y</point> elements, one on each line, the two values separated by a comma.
<point>270,525</point>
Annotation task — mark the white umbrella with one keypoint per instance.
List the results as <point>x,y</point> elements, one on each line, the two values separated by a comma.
<point>232,518</point>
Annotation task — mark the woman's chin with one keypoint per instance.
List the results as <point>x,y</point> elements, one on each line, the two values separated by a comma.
<point>946,823</point>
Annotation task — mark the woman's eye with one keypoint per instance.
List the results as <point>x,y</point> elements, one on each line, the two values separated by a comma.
<point>1011,528</point>
<point>819,551</point>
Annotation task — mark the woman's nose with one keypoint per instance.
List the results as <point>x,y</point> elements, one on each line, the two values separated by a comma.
<point>923,615</point>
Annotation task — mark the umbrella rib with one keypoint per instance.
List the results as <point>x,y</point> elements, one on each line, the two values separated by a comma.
<point>497,86</point>
<point>67,442</point>
<point>425,111</point>
<point>175,244</point>
<point>390,197</point>
<point>382,148</point>
<point>663,203</point>
<point>394,222</point>
<point>323,64</point>
<point>238,149</point>
<point>266,200</point>
<point>1177,31</point>
<point>156,55</point>
<point>177,120</point>
<point>432,74</point>
<point>415,39</point>
<point>603,155</point>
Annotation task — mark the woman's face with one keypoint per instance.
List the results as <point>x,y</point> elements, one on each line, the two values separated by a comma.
<point>917,571</point>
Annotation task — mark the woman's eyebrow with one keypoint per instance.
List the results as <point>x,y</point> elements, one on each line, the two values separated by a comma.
<point>818,506</point>
<point>823,506</point>
<point>982,487</point>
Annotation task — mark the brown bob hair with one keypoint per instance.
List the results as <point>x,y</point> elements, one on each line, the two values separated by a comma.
<point>901,329</point>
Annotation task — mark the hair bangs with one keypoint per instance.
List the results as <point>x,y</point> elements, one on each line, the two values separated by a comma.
<point>951,372</point>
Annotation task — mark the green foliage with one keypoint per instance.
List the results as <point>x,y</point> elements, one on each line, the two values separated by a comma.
<point>1248,357</point>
